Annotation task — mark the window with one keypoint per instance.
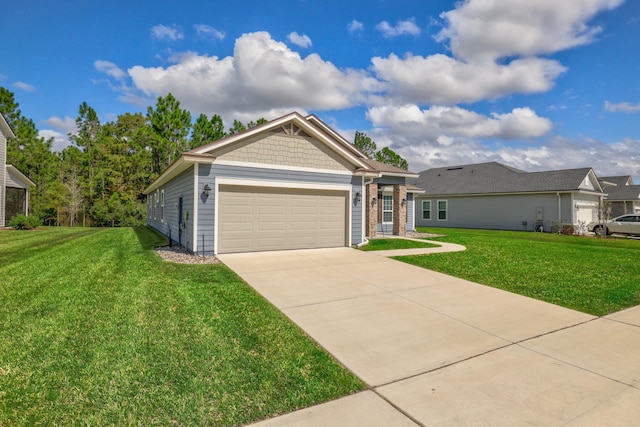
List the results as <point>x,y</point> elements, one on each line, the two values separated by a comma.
<point>442,210</point>
<point>426,209</point>
<point>162,205</point>
<point>387,208</point>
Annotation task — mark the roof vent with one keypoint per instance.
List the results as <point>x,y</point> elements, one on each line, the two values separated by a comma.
<point>454,169</point>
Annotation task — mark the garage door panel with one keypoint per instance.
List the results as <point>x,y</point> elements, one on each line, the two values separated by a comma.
<point>279,219</point>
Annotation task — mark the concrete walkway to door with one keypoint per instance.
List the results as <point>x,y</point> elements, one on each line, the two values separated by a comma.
<point>437,350</point>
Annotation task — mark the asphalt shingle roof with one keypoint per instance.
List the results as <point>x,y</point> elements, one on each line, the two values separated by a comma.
<point>493,177</point>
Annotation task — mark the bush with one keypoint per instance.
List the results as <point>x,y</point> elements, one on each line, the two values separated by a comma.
<point>23,222</point>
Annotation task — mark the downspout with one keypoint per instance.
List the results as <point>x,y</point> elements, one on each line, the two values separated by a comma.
<point>559,207</point>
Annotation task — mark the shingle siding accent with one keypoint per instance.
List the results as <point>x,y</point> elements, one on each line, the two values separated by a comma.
<point>286,150</point>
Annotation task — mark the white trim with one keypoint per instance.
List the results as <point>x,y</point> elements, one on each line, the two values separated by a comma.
<point>279,184</point>
<point>401,174</point>
<point>194,242</point>
<point>413,217</point>
<point>281,167</point>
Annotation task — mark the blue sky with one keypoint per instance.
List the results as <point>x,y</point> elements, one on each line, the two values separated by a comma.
<point>537,85</point>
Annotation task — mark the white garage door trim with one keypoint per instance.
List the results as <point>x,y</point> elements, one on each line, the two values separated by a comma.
<point>280,184</point>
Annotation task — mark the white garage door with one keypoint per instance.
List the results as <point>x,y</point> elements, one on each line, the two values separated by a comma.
<point>586,213</point>
<point>265,219</point>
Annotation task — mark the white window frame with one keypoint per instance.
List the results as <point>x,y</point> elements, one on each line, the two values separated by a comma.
<point>446,210</point>
<point>427,210</point>
<point>387,198</point>
<point>162,205</point>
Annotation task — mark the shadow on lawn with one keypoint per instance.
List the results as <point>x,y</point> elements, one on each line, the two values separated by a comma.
<point>48,241</point>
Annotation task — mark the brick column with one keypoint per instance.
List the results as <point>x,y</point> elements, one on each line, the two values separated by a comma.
<point>399,210</point>
<point>371,210</point>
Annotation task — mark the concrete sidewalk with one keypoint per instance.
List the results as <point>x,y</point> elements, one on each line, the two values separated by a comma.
<point>437,350</point>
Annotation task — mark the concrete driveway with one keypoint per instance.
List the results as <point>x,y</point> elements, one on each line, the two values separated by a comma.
<point>437,350</point>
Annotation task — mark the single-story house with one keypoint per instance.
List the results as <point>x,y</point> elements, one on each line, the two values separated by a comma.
<point>622,195</point>
<point>496,196</point>
<point>14,185</point>
<point>290,183</point>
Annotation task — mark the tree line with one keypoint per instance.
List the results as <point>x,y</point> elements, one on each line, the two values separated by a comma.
<point>99,179</point>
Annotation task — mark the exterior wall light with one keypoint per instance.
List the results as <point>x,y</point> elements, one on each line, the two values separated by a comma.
<point>373,201</point>
<point>358,197</point>
<point>403,202</point>
<point>207,190</point>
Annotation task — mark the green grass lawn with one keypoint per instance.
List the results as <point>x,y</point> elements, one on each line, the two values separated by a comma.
<point>95,329</point>
<point>593,275</point>
<point>388,244</point>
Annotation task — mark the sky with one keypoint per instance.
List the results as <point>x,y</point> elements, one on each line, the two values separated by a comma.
<point>537,85</point>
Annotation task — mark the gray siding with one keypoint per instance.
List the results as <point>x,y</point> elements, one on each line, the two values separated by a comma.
<point>496,212</point>
<point>3,173</point>
<point>207,174</point>
<point>181,186</point>
<point>410,211</point>
<point>356,211</point>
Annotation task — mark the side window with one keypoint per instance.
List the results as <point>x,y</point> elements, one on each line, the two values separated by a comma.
<point>426,209</point>
<point>442,210</point>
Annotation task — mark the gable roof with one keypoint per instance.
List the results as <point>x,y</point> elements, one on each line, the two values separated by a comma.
<point>618,180</point>
<point>5,128</point>
<point>311,125</point>
<point>338,144</point>
<point>493,177</point>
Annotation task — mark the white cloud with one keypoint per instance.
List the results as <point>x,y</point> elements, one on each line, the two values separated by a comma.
<point>406,27</point>
<point>411,123</point>
<point>440,79</point>
<point>24,86</point>
<point>60,140</point>
<point>110,69</point>
<point>208,31</point>
<point>67,125</point>
<point>301,40</point>
<point>490,29</point>
<point>625,107</point>
<point>163,32</point>
<point>355,27</point>
<point>262,78</point>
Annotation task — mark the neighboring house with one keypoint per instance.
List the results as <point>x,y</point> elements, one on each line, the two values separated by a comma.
<point>14,186</point>
<point>622,195</point>
<point>290,183</point>
<point>17,193</point>
<point>496,196</point>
